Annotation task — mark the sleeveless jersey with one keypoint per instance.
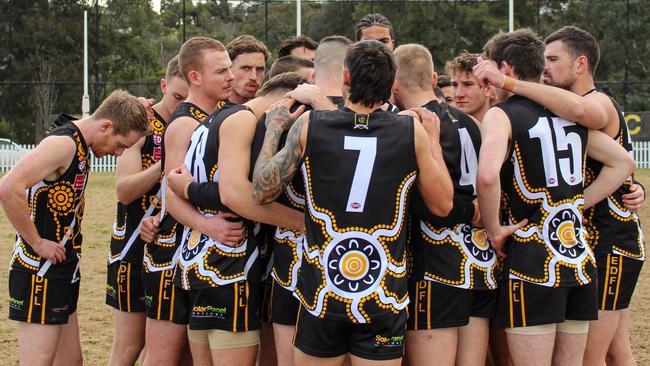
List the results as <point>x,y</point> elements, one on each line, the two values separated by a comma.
<point>205,262</point>
<point>543,182</point>
<point>613,228</point>
<point>162,254</point>
<point>451,250</point>
<point>358,171</point>
<point>56,208</point>
<point>126,244</point>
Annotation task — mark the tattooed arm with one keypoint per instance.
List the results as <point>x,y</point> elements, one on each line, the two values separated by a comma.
<point>273,170</point>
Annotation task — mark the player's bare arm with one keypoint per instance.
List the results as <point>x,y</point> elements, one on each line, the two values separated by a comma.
<point>273,170</point>
<point>433,177</point>
<point>617,166</point>
<point>177,139</point>
<point>495,136</point>
<point>48,160</point>
<point>235,139</point>
<point>131,182</point>
<point>581,110</point>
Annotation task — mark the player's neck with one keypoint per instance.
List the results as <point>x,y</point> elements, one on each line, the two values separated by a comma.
<point>237,99</point>
<point>478,115</point>
<point>583,86</point>
<point>360,108</point>
<point>201,100</point>
<point>331,87</point>
<point>162,111</point>
<point>416,99</point>
<point>88,127</point>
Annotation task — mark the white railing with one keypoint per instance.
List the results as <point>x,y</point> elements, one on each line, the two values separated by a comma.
<point>9,155</point>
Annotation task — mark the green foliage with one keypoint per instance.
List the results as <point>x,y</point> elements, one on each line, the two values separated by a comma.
<point>130,43</point>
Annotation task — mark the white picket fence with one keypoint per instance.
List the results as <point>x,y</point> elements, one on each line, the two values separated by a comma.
<point>9,155</point>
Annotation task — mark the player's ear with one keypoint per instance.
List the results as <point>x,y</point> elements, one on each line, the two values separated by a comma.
<point>434,80</point>
<point>163,86</point>
<point>106,125</point>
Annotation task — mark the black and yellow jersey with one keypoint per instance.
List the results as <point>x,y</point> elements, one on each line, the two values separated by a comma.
<point>542,181</point>
<point>162,254</point>
<point>205,262</point>
<point>612,228</point>
<point>126,244</point>
<point>450,250</point>
<point>358,170</point>
<point>56,208</point>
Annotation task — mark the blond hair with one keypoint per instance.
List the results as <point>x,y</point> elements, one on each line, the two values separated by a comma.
<point>173,69</point>
<point>125,112</point>
<point>191,55</point>
<point>414,66</point>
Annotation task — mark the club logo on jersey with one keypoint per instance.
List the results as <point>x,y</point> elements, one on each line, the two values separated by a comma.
<point>354,265</point>
<point>157,139</point>
<point>82,165</point>
<point>361,121</point>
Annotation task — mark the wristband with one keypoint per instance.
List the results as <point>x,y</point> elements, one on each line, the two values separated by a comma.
<point>186,190</point>
<point>508,83</point>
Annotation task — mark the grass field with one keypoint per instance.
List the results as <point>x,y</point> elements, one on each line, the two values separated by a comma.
<point>95,317</point>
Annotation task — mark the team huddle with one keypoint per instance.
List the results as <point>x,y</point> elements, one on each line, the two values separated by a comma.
<point>345,206</point>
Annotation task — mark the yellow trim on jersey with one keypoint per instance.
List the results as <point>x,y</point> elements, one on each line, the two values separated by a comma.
<point>128,287</point>
<point>246,310</point>
<point>171,305</point>
<point>523,304</point>
<point>429,305</point>
<point>235,310</point>
<point>512,317</point>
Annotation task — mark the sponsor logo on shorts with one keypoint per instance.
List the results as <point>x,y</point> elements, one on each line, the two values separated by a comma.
<point>16,304</point>
<point>209,312</point>
<point>381,341</point>
<point>148,299</point>
<point>60,309</point>
<point>110,291</point>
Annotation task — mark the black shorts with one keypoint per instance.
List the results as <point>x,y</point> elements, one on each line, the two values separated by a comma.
<point>617,277</point>
<point>284,306</point>
<point>380,340</point>
<point>435,305</point>
<point>527,304</point>
<point>124,287</point>
<point>235,307</point>
<point>159,293</point>
<point>40,300</point>
<point>266,301</point>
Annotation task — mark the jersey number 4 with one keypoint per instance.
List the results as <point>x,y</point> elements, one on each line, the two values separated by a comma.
<point>367,147</point>
<point>570,167</point>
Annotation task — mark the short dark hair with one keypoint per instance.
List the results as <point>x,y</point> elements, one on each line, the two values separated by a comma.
<point>374,19</point>
<point>522,49</point>
<point>246,44</point>
<point>286,81</point>
<point>289,64</point>
<point>296,42</point>
<point>443,81</point>
<point>372,72</point>
<point>464,62</point>
<point>578,42</point>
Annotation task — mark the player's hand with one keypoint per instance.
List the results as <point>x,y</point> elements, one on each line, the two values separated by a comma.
<point>634,200</point>
<point>430,122</point>
<point>278,115</point>
<point>226,227</point>
<point>487,72</point>
<point>149,228</point>
<point>306,94</point>
<point>148,105</point>
<point>498,238</point>
<point>178,179</point>
<point>51,250</point>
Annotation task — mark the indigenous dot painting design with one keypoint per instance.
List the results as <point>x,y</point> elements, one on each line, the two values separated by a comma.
<point>560,231</point>
<point>476,253</point>
<point>354,262</point>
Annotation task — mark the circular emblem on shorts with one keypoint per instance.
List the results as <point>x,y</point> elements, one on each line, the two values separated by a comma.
<point>564,227</point>
<point>194,239</point>
<point>355,264</point>
<point>476,241</point>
